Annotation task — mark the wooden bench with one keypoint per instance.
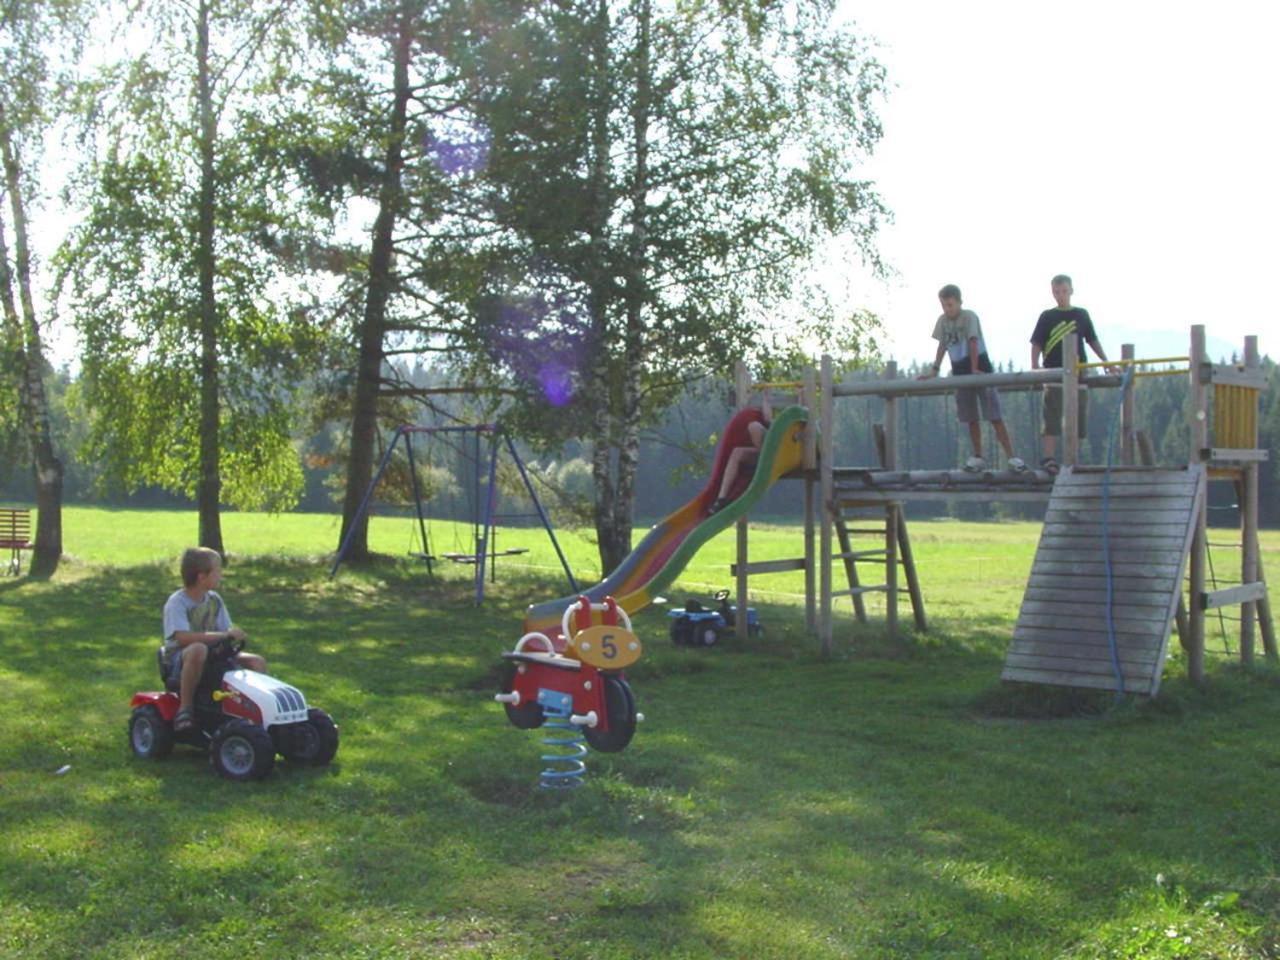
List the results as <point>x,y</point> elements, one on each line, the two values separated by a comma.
<point>15,535</point>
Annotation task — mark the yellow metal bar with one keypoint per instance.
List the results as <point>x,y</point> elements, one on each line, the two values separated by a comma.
<point>778,385</point>
<point>1162,373</point>
<point>1132,363</point>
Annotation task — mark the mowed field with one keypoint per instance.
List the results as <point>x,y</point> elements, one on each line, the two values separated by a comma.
<point>893,800</point>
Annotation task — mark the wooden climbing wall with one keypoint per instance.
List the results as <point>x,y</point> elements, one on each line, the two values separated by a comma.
<point>1062,634</point>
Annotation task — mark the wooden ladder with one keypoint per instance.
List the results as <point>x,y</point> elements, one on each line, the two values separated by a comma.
<point>891,531</point>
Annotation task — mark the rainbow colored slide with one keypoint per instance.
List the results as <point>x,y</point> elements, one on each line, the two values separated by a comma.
<point>667,548</point>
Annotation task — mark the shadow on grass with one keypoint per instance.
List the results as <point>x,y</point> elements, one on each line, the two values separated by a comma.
<point>774,804</point>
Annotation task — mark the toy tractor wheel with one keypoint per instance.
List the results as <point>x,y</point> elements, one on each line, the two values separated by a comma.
<point>621,705</point>
<point>240,750</point>
<point>313,741</point>
<point>707,634</point>
<point>680,631</point>
<point>524,716</point>
<point>149,736</point>
<point>326,733</point>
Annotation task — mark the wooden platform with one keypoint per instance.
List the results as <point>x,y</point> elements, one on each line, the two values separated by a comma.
<point>868,485</point>
<point>1062,635</point>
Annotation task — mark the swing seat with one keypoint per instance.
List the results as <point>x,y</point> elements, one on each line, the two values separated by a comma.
<point>474,558</point>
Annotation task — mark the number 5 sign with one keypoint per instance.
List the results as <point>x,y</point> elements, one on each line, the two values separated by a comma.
<point>607,647</point>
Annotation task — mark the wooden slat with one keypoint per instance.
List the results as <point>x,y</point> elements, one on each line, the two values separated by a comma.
<point>1245,593</point>
<point>1059,588</point>
<point>1118,516</point>
<point>1098,667</point>
<point>1064,634</point>
<point>768,566</point>
<point>1115,542</point>
<point>1226,455</point>
<point>1066,554</point>
<point>1005,495</point>
<point>1129,653</point>
<point>1235,377</point>
<point>1133,599</point>
<point>1094,624</point>
<point>1138,480</point>
<point>1066,567</point>
<point>1069,679</point>
<point>1138,606</point>
<point>1067,639</point>
<point>1123,530</point>
<point>859,591</point>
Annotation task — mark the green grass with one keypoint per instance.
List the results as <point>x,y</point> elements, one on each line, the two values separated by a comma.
<point>894,801</point>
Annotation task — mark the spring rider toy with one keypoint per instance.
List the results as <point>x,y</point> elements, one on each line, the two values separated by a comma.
<point>572,683</point>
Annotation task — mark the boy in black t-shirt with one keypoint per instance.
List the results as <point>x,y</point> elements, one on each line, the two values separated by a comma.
<point>1046,343</point>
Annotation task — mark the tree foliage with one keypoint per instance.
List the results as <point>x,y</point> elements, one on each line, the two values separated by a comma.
<point>195,334</point>
<point>663,176</point>
<point>36,42</point>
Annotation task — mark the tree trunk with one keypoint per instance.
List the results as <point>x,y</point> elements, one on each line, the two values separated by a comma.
<point>34,403</point>
<point>636,294</point>
<point>612,519</point>
<point>364,419</point>
<point>209,486</point>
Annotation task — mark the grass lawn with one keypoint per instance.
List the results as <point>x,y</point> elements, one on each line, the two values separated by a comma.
<point>892,801</point>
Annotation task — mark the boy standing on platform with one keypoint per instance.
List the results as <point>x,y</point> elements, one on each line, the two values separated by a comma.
<point>1046,343</point>
<point>959,336</point>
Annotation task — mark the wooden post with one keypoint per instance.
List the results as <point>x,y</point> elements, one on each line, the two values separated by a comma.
<point>1264,618</point>
<point>1070,398</point>
<point>827,430</point>
<point>742,388</point>
<point>892,509</point>
<point>1249,507</point>
<point>809,400</point>
<point>1199,442</point>
<point>1147,457</point>
<point>1127,443</point>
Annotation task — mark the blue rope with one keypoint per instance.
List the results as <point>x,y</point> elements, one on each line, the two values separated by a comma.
<point>1106,537</point>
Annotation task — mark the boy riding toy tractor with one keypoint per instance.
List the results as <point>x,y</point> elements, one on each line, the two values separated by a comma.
<point>242,717</point>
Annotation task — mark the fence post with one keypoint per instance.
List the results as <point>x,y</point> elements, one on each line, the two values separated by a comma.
<point>1199,442</point>
<point>1070,400</point>
<point>826,440</point>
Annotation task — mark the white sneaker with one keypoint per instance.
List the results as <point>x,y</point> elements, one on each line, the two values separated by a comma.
<point>1017,465</point>
<point>975,464</point>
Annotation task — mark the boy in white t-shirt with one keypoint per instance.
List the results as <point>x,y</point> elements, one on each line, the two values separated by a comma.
<point>195,619</point>
<point>959,336</point>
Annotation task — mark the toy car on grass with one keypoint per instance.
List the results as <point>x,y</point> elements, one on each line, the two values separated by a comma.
<point>696,626</point>
<point>586,669</point>
<point>243,718</point>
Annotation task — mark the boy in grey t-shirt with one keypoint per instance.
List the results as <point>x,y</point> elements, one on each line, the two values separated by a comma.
<point>195,618</point>
<point>959,336</point>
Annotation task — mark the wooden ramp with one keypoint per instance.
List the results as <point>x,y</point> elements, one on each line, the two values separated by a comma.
<point>1062,634</point>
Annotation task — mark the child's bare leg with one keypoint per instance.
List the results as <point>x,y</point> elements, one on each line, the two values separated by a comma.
<point>251,661</point>
<point>731,469</point>
<point>975,437</point>
<point>1002,434</point>
<point>193,659</point>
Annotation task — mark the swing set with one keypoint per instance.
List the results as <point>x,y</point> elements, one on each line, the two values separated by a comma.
<point>483,498</point>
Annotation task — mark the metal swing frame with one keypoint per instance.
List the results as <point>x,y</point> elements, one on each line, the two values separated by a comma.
<point>485,526</point>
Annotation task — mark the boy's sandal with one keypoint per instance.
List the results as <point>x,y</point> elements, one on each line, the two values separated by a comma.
<point>1050,466</point>
<point>184,720</point>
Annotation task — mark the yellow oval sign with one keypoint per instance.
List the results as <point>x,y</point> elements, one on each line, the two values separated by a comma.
<point>607,647</point>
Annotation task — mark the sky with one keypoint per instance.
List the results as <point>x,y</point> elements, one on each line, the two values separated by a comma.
<point>1129,144</point>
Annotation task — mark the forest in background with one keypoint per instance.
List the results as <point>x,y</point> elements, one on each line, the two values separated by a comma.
<point>675,456</point>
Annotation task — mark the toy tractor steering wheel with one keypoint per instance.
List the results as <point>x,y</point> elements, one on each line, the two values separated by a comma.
<point>721,595</point>
<point>226,648</point>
